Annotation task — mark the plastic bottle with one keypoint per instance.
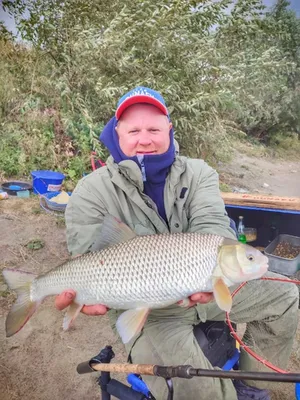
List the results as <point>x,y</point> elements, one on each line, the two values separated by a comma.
<point>241,233</point>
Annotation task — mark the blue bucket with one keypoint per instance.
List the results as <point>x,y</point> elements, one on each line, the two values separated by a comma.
<point>46,181</point>
<point>297,391</point>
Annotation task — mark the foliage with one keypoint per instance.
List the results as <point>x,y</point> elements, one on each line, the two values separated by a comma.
<point>224,75</point>
<point>224,187</point>
<point>287,26</point>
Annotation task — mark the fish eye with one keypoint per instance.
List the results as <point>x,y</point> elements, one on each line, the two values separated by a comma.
<point>250,257</point>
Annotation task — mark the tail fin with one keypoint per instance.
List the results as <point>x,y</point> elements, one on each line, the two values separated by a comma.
<point>24,307</point>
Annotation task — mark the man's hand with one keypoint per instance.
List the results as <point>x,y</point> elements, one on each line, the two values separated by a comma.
<point>65,299</point>
<point>201,297</point>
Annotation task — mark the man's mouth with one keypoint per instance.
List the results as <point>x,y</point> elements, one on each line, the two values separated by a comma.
<point>145,152</point>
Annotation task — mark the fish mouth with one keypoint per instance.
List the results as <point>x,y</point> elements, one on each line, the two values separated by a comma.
<point>265,268</point>
<point>244,277</point>
<point>258,274</point>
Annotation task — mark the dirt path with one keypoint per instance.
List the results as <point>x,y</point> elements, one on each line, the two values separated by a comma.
<point>39,363</point>
<point>262,175</point>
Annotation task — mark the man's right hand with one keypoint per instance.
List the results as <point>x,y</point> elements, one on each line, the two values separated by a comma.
<point>65,299</point>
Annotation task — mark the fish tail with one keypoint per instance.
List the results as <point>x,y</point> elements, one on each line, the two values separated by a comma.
<point>24,307</point>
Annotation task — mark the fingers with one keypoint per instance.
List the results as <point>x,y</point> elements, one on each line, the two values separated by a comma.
<point>64,299</point>
<point>97,309</point>
<point>202,297</point>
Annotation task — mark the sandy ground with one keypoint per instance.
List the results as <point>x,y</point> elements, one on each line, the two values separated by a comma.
<point>265,175</point>
<point>39,363</point>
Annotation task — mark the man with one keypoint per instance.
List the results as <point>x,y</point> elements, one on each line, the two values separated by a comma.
<point>153,190</point>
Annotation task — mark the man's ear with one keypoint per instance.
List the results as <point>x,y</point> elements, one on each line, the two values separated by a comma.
<point>170,125</point>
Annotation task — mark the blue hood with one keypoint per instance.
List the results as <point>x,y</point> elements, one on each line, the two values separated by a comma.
<point>154,168</point>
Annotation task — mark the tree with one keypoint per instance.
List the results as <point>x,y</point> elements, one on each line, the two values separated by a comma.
<point>288,39</point>
<point>222,73</point>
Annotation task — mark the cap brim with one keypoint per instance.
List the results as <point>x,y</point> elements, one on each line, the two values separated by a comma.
<point>140,99</point>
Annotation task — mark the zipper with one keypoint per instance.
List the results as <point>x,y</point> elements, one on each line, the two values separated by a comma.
<point>147,200</point>
<point>143,169</point>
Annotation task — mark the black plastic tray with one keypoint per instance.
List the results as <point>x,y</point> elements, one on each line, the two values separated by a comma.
<point>24,186</point>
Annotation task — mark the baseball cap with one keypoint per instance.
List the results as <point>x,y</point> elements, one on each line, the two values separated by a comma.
<point>141,94</point>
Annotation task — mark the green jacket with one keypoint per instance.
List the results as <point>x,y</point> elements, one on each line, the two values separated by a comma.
<point>192,202</point>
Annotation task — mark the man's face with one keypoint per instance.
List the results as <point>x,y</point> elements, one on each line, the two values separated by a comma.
<point>143,129</point>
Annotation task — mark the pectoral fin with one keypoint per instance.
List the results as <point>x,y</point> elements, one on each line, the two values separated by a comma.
<point>222,294</point>
<point>131,322</point>
<point>71,314</point>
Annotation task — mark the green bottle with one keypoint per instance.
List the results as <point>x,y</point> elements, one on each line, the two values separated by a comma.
<point>241,233</point>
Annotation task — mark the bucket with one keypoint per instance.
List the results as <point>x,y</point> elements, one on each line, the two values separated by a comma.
<point>46,181</point>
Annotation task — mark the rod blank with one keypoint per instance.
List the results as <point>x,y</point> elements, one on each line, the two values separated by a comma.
<point>257,376</point>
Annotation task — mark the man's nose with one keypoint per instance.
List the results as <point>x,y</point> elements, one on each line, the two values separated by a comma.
<point>144,138</point>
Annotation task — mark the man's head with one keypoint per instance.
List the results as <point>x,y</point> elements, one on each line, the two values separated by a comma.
<point>143,125</point>
<point>143,129</point>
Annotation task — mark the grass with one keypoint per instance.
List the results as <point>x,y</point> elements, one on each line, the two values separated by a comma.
<point>36,211</point>
<point>4,291</point>
<point>224,187</point>
<point>35,244</point>
<point>287,147</point>
<point>283,148</point>
<point>60,222</point>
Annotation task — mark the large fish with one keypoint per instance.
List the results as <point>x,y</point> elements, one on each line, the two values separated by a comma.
<point>138,273</point>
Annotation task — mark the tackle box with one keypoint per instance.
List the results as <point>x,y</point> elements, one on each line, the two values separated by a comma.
<point>282,265</point>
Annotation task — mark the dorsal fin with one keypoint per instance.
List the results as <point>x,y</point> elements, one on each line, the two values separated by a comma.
<point>113,231</point>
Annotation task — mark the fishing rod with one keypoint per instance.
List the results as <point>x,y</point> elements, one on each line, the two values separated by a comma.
<point>185,371</point>
<point>102,363</point>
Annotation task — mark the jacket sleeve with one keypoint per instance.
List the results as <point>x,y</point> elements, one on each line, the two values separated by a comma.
<point>206,211</point>
<point>84,215</point>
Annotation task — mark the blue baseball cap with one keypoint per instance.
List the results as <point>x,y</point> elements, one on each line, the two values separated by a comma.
<point>141,94</point>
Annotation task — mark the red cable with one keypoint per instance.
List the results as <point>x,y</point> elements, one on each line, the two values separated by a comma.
<point>245,347</point>
<point>93,153</point>
<point>93,162</point>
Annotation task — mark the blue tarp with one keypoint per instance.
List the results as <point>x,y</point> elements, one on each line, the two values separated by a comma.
<point>263,209</point>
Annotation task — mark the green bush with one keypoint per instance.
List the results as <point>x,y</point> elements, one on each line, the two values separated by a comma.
<point>224,75</point>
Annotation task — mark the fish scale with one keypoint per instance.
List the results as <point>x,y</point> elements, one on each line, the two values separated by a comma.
<point>145,271</point>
